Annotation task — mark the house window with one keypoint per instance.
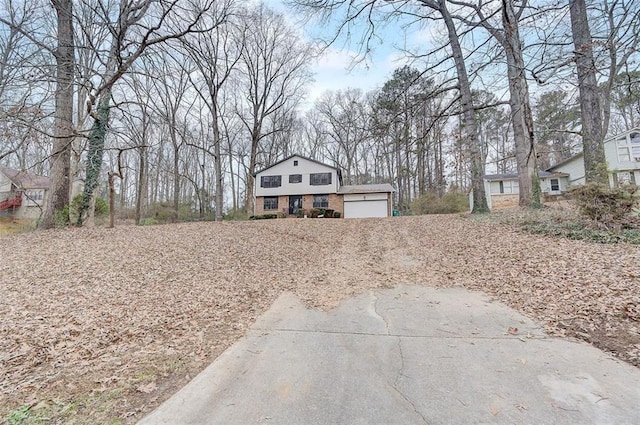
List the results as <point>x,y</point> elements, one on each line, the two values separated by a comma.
<point>295,162</point>
<point>270,181</point>
<point>320,179</point>
<point>624,178</point>
<point>629,148</point>
<point>295,178</point>
<point>634,138</point>
<point>508,186</point>
<point>270,203</point>
<point>320,201</point>
<point>555,185</point>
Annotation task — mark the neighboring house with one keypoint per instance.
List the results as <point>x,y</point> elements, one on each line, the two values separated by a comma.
<point>622,153</point>
<point>299,183</point>
<point>22,194</point>
<point>503,189</point>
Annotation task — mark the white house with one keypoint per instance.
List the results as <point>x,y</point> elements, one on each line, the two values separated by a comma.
<point>503,190</point>
<point>622,153</point>
<point>22,194</point>
<point>299,184</point>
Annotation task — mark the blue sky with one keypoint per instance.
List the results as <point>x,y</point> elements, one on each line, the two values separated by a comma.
<point>336,69</point>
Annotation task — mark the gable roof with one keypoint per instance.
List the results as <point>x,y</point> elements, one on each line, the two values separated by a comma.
<point>571,158</point>
<point>26,180</point>
<point>513,176</point>
<point>296,156</point>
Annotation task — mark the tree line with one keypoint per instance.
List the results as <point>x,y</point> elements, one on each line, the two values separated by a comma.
<point>180,102</point>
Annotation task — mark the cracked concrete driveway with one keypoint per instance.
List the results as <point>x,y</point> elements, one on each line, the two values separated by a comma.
<point>407,355</point>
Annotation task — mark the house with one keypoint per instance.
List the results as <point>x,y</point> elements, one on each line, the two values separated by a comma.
<point>297,183</point>
<point>22,194</point>
<point>622,153</point>
<point>503,189</point>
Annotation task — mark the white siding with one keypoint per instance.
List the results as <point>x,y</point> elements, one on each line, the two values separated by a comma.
<point>304,167</point>
<point>621,153</point>
<point>545,185</point>
<point>5,183</point>
<point>575,169</point>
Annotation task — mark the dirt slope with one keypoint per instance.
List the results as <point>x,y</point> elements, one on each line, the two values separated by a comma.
<point>100,325</point>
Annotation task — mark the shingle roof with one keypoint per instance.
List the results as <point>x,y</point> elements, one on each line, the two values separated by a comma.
<point>512,176</point>
<point>26,180</point>
<point>366,188</point>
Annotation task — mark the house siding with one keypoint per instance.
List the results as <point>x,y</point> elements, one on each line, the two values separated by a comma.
<point>304,167</point>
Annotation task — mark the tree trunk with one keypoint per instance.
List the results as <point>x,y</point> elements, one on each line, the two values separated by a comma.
<point>469,131</point>
<point>63,124</point>
<point>142,182</point>
<point>97,137</point>
<point>595,164</point>
<point>521,116</point>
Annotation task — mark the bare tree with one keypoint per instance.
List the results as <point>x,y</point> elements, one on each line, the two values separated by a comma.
<point>593,131</point>
<point>139,24</point>
<point>275,68</point>
<point>215,54</point>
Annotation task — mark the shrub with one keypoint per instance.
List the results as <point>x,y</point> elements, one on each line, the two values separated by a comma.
<point>263,217</point>
<point>430,203</point>
<point>610,207</point>
<point>336,214</point>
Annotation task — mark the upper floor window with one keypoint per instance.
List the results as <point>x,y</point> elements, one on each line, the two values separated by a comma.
<point>270,181</point>
<point>629,148</point>
<point>295,162</point>
<point>295,178</point>
<point>319,179</point>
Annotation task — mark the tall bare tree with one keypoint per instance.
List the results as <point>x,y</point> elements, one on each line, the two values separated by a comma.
<point>275,67</point>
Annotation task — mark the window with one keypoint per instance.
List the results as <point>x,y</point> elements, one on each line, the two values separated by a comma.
<point>320,201</point>
<point>295,178</point>
<point>629,148</point>
<point>555,185</point>
<point>634,138</point>
<point>320,179</point>
<point>506,186</point>
<point>624,178</point>
<point>270,203</point>
<point>270,181</point>
<point>295,162</point>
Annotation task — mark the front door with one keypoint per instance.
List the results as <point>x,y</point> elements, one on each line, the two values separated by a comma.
<point>295,204</point>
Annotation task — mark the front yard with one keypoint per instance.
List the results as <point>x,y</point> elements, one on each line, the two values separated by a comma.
<point>100,325</point>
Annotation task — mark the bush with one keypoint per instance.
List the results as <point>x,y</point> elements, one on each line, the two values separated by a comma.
<point>450,203</point>
<point>263,217</point>
<point>336,214</point>
<point>610,207</point>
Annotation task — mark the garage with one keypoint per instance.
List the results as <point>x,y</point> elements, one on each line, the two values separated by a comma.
<point>365,208</point>
<point>363,201</point>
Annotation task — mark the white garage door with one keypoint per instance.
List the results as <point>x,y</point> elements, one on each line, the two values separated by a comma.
<point>368,208</point>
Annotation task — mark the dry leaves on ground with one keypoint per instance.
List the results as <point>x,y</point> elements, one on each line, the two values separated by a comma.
<point>101,325</point>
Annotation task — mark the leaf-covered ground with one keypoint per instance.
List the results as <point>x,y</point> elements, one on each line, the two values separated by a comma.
<point>101,325</point>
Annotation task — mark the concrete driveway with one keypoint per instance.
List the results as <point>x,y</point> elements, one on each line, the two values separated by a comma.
<point>408,355</point>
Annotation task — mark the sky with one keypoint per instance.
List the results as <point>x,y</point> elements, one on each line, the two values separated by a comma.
<point>338,68</point>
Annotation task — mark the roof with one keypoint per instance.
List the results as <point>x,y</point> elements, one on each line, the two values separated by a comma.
<point>571,158</point>
<point>295,156</point>
<point>26,180</point>
<point>542,174</point>
<point>366,188</point>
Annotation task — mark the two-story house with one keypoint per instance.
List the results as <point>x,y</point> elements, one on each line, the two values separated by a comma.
<point>299,183</point>
<point>622,153</point>
<point>22,194</point>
